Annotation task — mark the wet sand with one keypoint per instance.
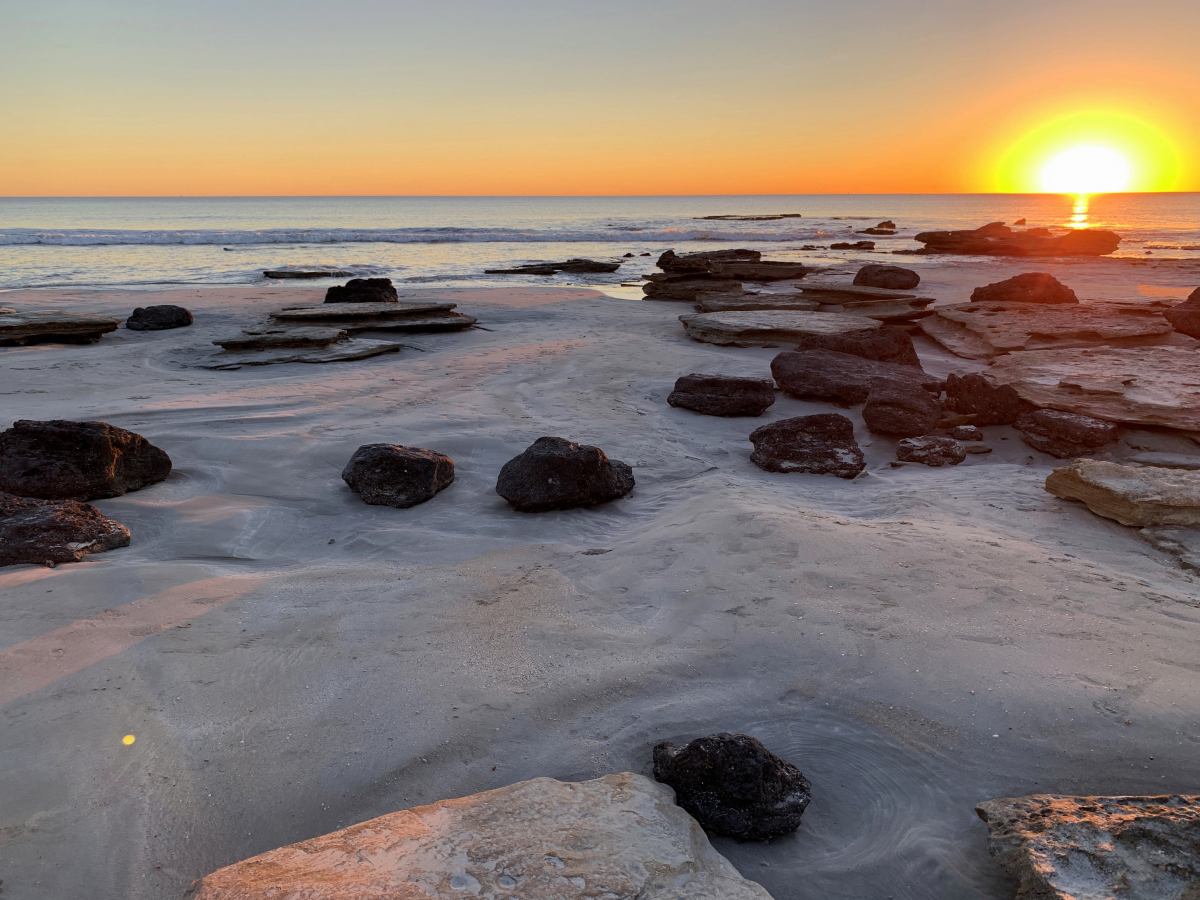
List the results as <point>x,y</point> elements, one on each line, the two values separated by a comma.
<point>292,660</point>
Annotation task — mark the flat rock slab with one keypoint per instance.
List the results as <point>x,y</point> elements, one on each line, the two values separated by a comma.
<point>617,836</point>
<point>718,302</point>
<point>268,338</point>
<point>345,312</point>
<point>50,326</point>
<point>1131,385</point>
<point>1097,848</point>
<point>842,293</point>
<point>748,328</point>
<point>1131,495</point>
<point>843,378</point>
<point>356,348</point>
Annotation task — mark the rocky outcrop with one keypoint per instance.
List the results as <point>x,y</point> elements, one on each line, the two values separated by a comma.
<point>1065,434</point>
<point>554,473</point>
<point>572,266</point>
<point>840,377</point>
<point>392,475</point>
<point>363,290</point>
<point>997,239</point>
<point>159,318</point>
<point>49,532</point>
<point>931,450</point>
<point>686,287</point>
<point>892,278</point>
<point>1097,848</point>
<point>53,327</point>
<point>816,445</point>
<point>734,786</point>
<point>723,395</point>
<point>620,835</point>
<point>1131,495</point>
<point>852,245</point>
<point>900,409</point>
<point>887,344</point>
<point>768,327</point>
<point>1031,287</point>
<point>1185,317</point>
<point>671,261</point>
<point>62,460</point>
<point>987,402</point>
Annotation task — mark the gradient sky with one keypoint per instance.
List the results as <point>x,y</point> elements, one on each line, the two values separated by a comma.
<point>128,97</point>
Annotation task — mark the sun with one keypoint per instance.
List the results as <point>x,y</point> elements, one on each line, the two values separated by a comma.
<point>1086,169</point>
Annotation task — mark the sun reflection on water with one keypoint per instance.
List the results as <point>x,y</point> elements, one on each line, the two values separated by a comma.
<point>1079,212</point>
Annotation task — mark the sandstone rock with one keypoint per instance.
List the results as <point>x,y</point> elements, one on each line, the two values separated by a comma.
<point>363,290</point>
<point>573,266</point>
<point>269,338</point>
<point>769,327</point>
<point>856,245</point>
<point>670,261</point>
<point>892,278</point>
<point>840,377</point>
<point>1065,434</point>
<point>763,270</point>
<point>817,445</point>
<point>931,450</point>
<point>886,344</point>
<point>981,397</point>
<point>1031,287</point>
<point>300,274</point>
<point>1185,317</point>
<point>392,475</point>
<point>734,785</point>
<point>617,836</point>
<point>158,318</point>
<point>686,287</point>
<point>48,532</point>
<point>1097,848</point>
<point>997,239</point>
<point>44,327</point>
<point>61,460</point>
<point>340,351</point>
<point>723,395</point>
<point>554,473</point>
<point>900,409</point>
<point>1131,495</point>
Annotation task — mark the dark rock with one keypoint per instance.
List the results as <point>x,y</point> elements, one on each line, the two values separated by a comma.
<point>645,254</point>
<point>770,217</point>
<point>966,433</point>
<point>671,261</point>
<point>1185,318</point>
<point>1019,222</point>
<point>61,460</point>
<point>555,473</point>
<point>856,245</point>
<point>764,270</point>
<point>840,377</point>
<point>392,475</point>
<point>892,278</point>
<point>882,232</point>
<point>52,327</point>
<point>685,287</point>
<point>723,395</point>
<point>626,255</point>
<point>931,450</point>
<point>734,786</point>
<point>158,318</point>
<point>1065,434</point>
<point>818,445</point>
<point>989,403</point>
<point>887,224</point>
<point>887,344</point>
<point>900,409</point>
<point>302,274</point>
<point>1032,287</point>
<point>573,266</point>
<point>48,532</point>
<point>997,239</point>
<point>363,290</point>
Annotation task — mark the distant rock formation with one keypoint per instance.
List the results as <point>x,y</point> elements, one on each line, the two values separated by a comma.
<point>997,239</point>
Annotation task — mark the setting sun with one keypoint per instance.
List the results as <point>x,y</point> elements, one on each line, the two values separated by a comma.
<point>1086,169</point>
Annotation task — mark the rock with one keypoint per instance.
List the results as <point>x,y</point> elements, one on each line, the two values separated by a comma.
<point>765,270</point>
<point>1185,317</point>
<point>392,475</point>
<point>877,303</point>
<point>363,290</point>
<point>1065,434</point>
<point>770,327</point>
<point>298,274</point>
<point>620,835</point>
<point>892,278</point>
<point>1181,543</point>
<point>856,245</point>
<point>931,450</point>
<point>997,239</point>
<point>981,397</point>
<point>723,395</point>
<point>966,433</point>
<point>887,224</point>
<point>267,337</point>
<point>626,255</point>
<point>686,287</point>
<point>841,377</point>
<point>711,301</point>
<point>876,230</point>
<point>573,266</point>
<point>670,261</point>
<point>975,449</point>
<point>900,409</point>
<point>341,351</point>
<point>817,445</point>
<point>158,318</point>
<point>1019,222</point>
<point>1131,495</point>
<point>773,217</point>
<point>354,317</point>
<point>554,473</point>
<point>61,460</point>
<point>1097,848</point>
<point>886,344</point>
<point>1031,287</point>
<point>1129,385</point>
<point>734,786</point>
<point>48,532</point>
<point>45,327</point>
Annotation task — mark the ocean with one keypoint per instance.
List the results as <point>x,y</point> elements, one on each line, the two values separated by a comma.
<point>56,242</point>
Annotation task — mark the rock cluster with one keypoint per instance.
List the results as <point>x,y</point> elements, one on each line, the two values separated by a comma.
<point>821,444</point>
<point>48,532</point>
<point>723,395</point>
<point>997,239</point>
<point>685,277</point>
<point>1065,434</point>
<point>158,318</point>
<point>363,290</point>
<point>392,475</point>
<point>892,278</point>
<point>554,473</point>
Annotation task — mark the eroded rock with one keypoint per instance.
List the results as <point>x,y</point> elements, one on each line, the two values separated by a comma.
<point>768,327</point>
<point>887,344</point>
<point>841,377</point>
<point>1065,434</point>
<point>159,318</point>
<point>49,532</point>
<point>1031,287</point>
<point>44,327</point>
<point>267,337</point>
<point>982,398</point>
<point>393,475</point>
<point>997,239</point>
<point>723,395</point>
<point>554,473</point>
<point>892,278</point>
<point>686,287</point>
<point>900,409</point>
<point>931,450</point>
<point>1185,317</point>
<point>671,261</point>
<point>1131,495</point>
<point>822,444</point>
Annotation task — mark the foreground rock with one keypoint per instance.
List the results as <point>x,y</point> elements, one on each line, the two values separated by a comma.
<point>61,460</point>
<point>1065,434</point>
<point>734,786</point>
<point>987,402</point>
<point>892,278</point>
<point>900,409</point>
<point>617,836</point>
<point>555,473</point>
<point>1131,495</point>
<point>48,532</point>
<point>840,377</point>
<point>159,318</point>
<point>45,327</point>
<point>1097,848</point>
<point>392,475</point>
<point>723,395</point>
<point>931,450</point>
<point>816,445</point>
<point>768,327</point>
<point>363,290</point>
<point>887,344</point>
<point>1185,317</point>
<point>1031,287</point>
<point>997,239</point>
<point>573,266</point>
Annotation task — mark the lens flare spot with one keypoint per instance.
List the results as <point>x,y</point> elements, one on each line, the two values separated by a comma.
<point>128,740</point>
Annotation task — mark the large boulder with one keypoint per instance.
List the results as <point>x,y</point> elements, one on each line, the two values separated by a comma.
<point>816,445</point>
<point>1065,434</point>
<point>892,278</point>
<point>890,343</point>
<point>734,786</point>
<point>392,475</point>
<point>62,460</point>
<point>1097,848</point>
<point>363,290</point>
<point>997,239</point>
<point>987,402</point>
<point>1031,287</point>
<point>48,532</point>
<point>554,473</point>
<point>841,377</point>
<point>671,261</point>
<point>1131,495</point>
<point>900,409</point>
<point>931,450</point>
<point>1185,317</point>
<point>723,395</point>
<point>158,318</point>
<point>620,835</point>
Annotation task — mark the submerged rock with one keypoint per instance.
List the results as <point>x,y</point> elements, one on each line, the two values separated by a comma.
<point>1185,317</point>
<point>363,290</point>
<point>158,318</point>
<point>822,444</point>
<point>301,274</point>
<point>1131,495</point>
<point>980,397</point>
<point>931,450</point>
<point>1065,434</point>
<point>887,344</point>
<point>841,377</point>
<point>392,475</point>
<point>892,278</point>
<point>554,473</point>
<point>723,395</point>
<point>1031,287</point>
<point>900,409</point>
<point>267,337</point>
<point>734,785</point>
<point>573,266</point>
<point>48,532</point>
<point>997,239</point>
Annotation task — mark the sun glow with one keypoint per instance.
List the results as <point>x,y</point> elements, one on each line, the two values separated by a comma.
<point>1086,169</point>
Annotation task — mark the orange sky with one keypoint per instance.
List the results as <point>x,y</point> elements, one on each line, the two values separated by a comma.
<point>365,97</point>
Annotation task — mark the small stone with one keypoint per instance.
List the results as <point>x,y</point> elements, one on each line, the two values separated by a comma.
<point>158,318</point>
<point>822,444</point>
<point>393,475</point>
<point>931,450</point>
<point>554,473</point>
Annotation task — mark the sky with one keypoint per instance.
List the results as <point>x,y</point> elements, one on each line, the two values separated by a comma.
<point>216,97</point>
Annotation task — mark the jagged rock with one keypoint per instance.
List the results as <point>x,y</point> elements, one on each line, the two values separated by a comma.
<point>44,327</point>
<point>671,261</point>
<point>764,270</point>
<point>997,239</point>
<point>1031,287</point>
<point>900,409</point>
<point>886,344</point>
<point>158,318</point>
<point>267,337</point>
<point>723,395</point>
<point>554,473</point>
<point>686,287</point>
<point>1131,495</point>
<point>817,445</point>
<point>841,377</point>
<point>1065,434</point>
<point>931,450</point>
<point>768,327</point>
<point>1185,317</point>
<point>573,266</point>
<point>982,398</point>
<point>62,460</point>
<point>48,532</point>
<point>299,274</point>
<point>966,433</point>
<point>892,278</point>
<point>855,245</point>
<point>1097,848</point>
<point>363,290</point>
<point>392,475</point>
<point>620,835</point>
<point>734,786</point>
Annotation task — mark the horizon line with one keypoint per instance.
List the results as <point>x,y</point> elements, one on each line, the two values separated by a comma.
<point>568,196</point>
